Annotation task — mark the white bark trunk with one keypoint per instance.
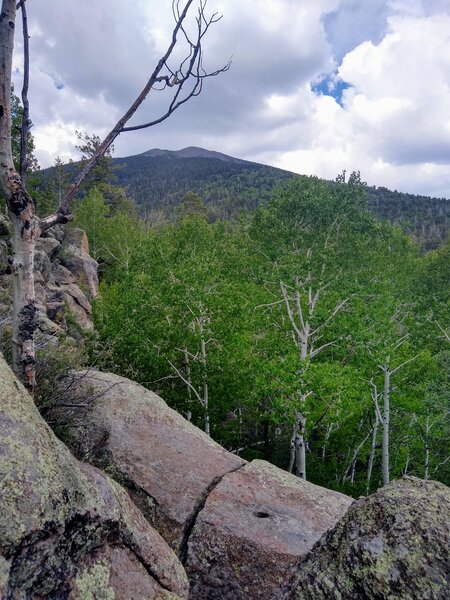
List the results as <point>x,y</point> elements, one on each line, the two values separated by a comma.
<point>203,358</point>
<point>426,474</point>
<point>300,447</point>
<point>372,451</point>
<point>386,421</point>
<point>25,229</point>
<point>292,445</point>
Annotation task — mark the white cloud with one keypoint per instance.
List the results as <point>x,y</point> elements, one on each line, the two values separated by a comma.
<point>394,122</point>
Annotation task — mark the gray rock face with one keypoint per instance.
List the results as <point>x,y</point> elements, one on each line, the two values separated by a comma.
<point>59,291</point>
<point>255,524</point>
<point>48,245</point>
<point>66,530</point>
<point>393,544</point>
<point>166,463</point>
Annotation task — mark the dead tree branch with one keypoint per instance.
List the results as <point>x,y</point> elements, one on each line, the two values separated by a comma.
<point>190,70</point>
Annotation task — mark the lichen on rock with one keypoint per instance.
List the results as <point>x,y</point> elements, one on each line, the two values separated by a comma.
<point>393,544</point>
<point>59,518</point>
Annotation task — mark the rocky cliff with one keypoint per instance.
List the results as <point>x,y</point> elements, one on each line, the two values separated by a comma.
<point>66,281</point>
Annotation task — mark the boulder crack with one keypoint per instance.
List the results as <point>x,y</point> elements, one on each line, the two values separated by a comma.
<point>199,506</point>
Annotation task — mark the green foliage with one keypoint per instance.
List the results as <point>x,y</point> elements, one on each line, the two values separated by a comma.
<point>113,234</point>
<point>356,281</point>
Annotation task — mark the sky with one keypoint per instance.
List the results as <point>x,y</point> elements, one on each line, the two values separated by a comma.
<point>315,86</point>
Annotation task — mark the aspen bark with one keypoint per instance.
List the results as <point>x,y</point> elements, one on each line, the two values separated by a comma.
<point>203,359</point>
<point>426,474</point>
<point>372,451</point>
<point>300,447</point>
<point>25,228</point>
<point>386,421</point>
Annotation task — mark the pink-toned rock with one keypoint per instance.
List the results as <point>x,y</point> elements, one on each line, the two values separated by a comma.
<point>77,237</point>
<point>167,464</point>
<point>67,530</point>
<point>79,314</point>
<point>74,292</point>
<point>256,524</point>
<point>74,256</point>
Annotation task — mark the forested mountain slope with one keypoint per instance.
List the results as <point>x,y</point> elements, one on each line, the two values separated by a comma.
<point>158,179</point>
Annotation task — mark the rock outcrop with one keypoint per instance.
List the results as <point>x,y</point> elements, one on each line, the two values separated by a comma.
<point>237,527</point>
<point>66,281</point>
<point>393,544</point>
<point>67,530</point>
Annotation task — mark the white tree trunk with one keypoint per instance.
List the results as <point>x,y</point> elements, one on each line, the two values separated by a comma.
<point>25,229</point>
<point>386,421</point>
<point>292,446</point>
<point>203,358</point>
<point>426,474</point>
<point>373,445</point>
<point>300,447</point>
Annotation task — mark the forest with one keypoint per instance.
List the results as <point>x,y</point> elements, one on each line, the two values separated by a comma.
<point>305,332</point>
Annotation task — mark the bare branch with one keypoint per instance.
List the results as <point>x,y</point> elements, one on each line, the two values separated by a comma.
<point>316,352</point>
<point>176,78</point>
<point>26,106</point>
<point>337,308</point>
<point>289,310</point>
<point>446,333</point>
<point>188,383</point>
<point>404,364</point>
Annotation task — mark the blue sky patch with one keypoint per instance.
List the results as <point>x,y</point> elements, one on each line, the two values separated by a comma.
<point>331,86</point>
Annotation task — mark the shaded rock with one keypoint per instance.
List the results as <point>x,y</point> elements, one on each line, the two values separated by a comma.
<point>61,275</point>
<point>56,312</point>
<point>167,464</point>
<point>48,245</point>
<point>255,524</point>
<point>66,530</point>
<point>42,265</point>
<point>57,232</point>
<point>393,544</point>
<point>47,326</point>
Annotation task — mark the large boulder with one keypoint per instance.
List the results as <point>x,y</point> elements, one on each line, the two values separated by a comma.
<point>237,527</point>
<point>167,464</point>
<point>393,544</point>
<point>255,524</point>
<point>66,530</point>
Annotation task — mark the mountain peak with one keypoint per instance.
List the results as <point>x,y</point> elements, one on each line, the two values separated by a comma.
<point>190,152</point>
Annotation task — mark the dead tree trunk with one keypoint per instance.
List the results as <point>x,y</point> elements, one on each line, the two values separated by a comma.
<point>300,309</point>
<point>386,422</point>
<point>26,228</point>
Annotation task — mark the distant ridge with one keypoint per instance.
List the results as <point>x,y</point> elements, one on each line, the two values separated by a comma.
<point>191,152</point>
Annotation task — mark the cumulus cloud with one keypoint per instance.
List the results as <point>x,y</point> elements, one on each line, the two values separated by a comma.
<point>392,121</point>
